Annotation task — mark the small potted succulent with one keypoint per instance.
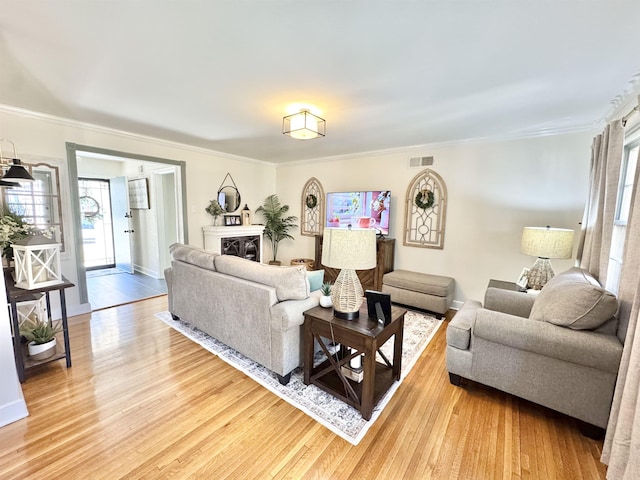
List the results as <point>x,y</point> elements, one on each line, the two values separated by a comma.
<point>41,336</point>
<point>325,298</point>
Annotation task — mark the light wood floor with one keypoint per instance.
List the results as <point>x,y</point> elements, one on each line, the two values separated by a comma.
<point>142,401</point>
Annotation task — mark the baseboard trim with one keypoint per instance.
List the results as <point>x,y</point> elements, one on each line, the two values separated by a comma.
<point>12,412</point>
<point>147,272</point>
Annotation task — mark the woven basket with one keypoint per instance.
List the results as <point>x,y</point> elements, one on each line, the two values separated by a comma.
<point>308,262</point>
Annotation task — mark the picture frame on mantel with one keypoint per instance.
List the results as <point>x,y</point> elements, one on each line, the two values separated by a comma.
<point>232,220</point>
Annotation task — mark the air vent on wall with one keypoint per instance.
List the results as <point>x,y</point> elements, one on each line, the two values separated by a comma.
<point>416,162</point>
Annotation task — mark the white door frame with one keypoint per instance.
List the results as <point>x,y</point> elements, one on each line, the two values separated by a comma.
<point>174,231</point>
<point>76,233</point>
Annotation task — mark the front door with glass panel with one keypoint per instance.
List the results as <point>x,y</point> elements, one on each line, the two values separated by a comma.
<point>97,227</point>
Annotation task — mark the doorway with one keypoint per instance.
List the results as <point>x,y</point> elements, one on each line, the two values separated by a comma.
<point>97,224</point>
<point>159,225</point>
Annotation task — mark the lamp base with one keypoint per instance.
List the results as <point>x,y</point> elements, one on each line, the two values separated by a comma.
<point>346,315</point>
<point>540,273</point>
<point>347,295</point>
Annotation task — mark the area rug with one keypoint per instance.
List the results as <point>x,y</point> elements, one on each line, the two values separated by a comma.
<point>334,414</point>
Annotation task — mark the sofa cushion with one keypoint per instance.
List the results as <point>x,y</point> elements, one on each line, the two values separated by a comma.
<point>290,282</point>
<point>427,283</point>
<point>574,299</point>
<point>193,255</point>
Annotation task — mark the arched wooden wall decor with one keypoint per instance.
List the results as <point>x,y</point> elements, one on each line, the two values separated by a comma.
<point>312,208</point>
<point>426,211</point>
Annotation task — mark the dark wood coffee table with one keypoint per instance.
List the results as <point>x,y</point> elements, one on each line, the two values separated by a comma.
<point>365,336</point>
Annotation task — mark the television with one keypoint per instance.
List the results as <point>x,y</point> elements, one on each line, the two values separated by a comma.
<point>363,209</point>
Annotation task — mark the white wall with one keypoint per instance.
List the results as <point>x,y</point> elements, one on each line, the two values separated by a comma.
<point>40,135</point>
<point>12,404</point>
<point>494,190</point>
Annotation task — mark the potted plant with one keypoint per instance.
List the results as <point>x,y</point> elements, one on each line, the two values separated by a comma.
<point>12,228</point>
<point>277,223</point>
<point>215,210</point>
<point>325,298</point>
<point>41,336</point>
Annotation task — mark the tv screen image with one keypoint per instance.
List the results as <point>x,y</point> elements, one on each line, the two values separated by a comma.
<point>364,209</point>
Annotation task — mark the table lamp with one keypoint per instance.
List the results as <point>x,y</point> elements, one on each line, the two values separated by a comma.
<point>349,250</point>
<point>545,243</point>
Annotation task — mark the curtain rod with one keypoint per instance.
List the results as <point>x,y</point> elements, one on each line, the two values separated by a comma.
<point>628,115</point>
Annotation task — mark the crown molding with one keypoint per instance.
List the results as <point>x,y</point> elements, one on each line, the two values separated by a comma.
<point>420,149</point>
<point>410,150</point>
<point>66,122</point>
<point>621,104</point>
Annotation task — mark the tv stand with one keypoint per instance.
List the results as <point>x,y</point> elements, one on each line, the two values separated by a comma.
<point>370,279</point>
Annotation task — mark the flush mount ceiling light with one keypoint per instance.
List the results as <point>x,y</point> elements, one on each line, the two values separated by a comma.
<point>303,125</point>
<point>15,172</point>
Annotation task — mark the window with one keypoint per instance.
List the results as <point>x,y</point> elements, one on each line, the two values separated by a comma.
<point>625,190</point>
<point>39,202</point>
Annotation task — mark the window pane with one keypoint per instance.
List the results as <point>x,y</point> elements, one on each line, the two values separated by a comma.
<point>626,185</point>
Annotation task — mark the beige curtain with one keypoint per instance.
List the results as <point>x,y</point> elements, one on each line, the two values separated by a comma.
<point>622,443</point>
<point>597,224</point>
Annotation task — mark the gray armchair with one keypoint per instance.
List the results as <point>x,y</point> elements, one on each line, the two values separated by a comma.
<point>560,349</point>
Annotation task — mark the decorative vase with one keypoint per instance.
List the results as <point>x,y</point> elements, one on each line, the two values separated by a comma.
<point>42,351</point>
<point>325,301</point>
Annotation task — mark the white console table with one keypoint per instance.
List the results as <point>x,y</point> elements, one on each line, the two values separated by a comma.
<point>243,241</point>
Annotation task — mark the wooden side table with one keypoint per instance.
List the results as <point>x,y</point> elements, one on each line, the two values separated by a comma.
<point>506,285</point>
<point>363,336</point>
<point>15,295</point>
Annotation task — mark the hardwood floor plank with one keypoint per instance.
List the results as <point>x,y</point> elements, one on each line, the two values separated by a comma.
<point>142,401</point>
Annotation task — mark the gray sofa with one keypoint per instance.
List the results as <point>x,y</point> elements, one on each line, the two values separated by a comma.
<point>560,349</point>
<point>254,308</point>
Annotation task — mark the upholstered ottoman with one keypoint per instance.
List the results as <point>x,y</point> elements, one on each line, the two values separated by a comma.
<point>419,290</point>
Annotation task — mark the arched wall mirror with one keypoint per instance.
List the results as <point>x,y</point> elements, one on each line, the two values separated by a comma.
<point>39,203</point>
<point>229,195</point>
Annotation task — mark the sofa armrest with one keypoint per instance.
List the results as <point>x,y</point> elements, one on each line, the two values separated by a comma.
<point>459,329</point>
<point>508,301</point>
<point>587,348</point>
<point>290,313</point>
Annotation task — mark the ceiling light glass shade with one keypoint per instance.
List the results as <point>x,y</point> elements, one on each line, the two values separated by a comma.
<point>303,125</point>
<point>545,243</point>
<point>349,250</point>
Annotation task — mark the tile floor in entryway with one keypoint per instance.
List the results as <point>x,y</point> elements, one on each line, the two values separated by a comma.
<point>112,286</point>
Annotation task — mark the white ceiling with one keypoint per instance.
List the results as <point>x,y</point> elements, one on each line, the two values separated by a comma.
<point>385,74</point>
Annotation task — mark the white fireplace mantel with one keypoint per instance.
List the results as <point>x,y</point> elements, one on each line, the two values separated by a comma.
<point>213,235</point>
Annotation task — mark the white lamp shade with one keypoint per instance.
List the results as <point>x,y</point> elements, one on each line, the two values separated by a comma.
<point>545,242</point>
<point>353,249</point>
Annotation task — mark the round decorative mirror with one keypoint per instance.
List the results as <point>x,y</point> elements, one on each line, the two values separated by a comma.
<point>228,195</point>
<point>229,198</point>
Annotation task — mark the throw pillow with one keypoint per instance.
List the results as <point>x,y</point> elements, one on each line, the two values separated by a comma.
<point>316,278</point>
<point>574,299</point>
<point>290,282</point>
